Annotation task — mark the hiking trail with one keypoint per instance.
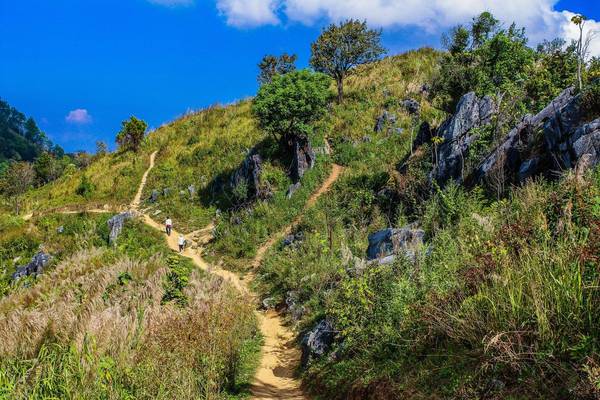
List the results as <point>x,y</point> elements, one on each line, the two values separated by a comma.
<point>274,378</point>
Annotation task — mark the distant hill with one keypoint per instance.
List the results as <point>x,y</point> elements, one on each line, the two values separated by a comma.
<point>20,137</point>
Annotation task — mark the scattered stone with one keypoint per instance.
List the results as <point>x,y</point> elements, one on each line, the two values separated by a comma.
<point>412,106</point>
<point>398,131</point>
<point>292,239</point>
<point>407,241</point>
<point>385,119</point>
<point>317,342</point>
<point>269,303</point>
<point>35,267</point>
<point>303,157</point>
<point>292,189</point>
<point>166,192</point>
<point>155,213</point>
<point>192,191</point>
<point>60,229</point>
<point>154,196</point>
<point>115,224</point>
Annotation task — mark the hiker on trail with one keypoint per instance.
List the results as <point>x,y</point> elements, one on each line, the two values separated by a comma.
<point>181,243</point>
<point>168,226</point>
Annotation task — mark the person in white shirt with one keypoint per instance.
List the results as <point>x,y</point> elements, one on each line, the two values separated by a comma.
<point>181,243</point>
<point>168,226</point>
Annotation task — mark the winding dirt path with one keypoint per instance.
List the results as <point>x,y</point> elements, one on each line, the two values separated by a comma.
<point>274,378</point>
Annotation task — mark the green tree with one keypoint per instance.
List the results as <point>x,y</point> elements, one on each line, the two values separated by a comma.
<point>341,48</point>
<point>291,103</point>
<point>485,59</point>
<point>101,148</point>
<point>46,168</point>
<point>272,65</point>
<point>17,179</point>
<point>483,27</point>
<point>132,133</point>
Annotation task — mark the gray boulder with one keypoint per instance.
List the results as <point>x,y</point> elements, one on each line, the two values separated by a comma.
<point>250,174</point>
<point>386,118</point>
<point>471,113</point>
<point>412,106</point>
<point>115,224</point>
<point>192,191</point>
<point>317,342</point>
<point>154,196</point>
<point>303,157</point>
<point>406,241</point>
<point>292,189</point>
<point>34,267</point>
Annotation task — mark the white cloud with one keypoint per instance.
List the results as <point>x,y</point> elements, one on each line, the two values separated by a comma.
<point>539,17</point>
<point>172,3</point>
<point>591,27</point>
<point>249,13</point>
<point>79,116</point>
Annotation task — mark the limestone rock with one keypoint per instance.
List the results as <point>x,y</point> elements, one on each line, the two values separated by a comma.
<point>303,157</point>
<point>389,242</point>
<point>34,267</point>
<point>317,342</point>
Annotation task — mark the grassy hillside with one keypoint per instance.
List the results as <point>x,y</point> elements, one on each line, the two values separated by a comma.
<point>131,321</point>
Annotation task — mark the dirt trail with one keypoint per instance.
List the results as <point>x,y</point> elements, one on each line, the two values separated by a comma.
<point>138,196</point>
<point>333,176</point>
<point>274,378</point>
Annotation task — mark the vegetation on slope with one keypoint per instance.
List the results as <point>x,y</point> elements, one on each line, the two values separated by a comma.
<point>131,321</point>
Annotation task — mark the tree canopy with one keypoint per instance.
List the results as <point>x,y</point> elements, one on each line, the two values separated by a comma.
<point>271,66</point>
<point>342,47</point>
<point>291,103</point>
<point>131,134</point>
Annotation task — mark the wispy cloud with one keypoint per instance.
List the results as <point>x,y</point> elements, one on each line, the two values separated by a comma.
<point>79,116</point>
<point>539,17</point>
<point>249,13</point>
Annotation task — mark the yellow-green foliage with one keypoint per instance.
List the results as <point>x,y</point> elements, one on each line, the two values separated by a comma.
<point>114,177</point>
<point>100,323</point>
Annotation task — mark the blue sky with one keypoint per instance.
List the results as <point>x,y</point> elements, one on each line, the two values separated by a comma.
<point>80,67</point>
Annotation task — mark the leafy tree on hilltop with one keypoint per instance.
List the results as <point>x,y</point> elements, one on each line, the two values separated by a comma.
<point>271,66</point>
<point>342,47</point>
<point>291,103</point>
<point>18,178</point>
<point>132,133</point>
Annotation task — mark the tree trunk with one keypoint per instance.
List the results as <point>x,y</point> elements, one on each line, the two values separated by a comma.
<point>340,88</point>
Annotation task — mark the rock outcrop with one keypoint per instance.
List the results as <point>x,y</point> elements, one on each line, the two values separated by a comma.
<point>386,118</point>
<point>115,224</point>
<point>303,157</point>
<point>411,106</point>
<point>457,134</point>
<point>388,243</point>
<point>567,140</point>
<point>34,267</point>
<point>249,174</point>
<point>317,342</point>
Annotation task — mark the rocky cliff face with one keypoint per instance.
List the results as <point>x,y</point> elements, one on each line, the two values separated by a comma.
<point>555,139</point>
<point>458,133</point>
